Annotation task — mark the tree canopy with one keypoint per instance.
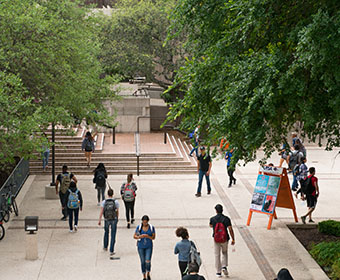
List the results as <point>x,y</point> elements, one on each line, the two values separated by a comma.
<point>49,70</point>
<point>133,41</point>
<point>257,68</point>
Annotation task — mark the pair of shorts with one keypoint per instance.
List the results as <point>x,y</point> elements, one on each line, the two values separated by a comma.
<point>311,200</point>
<point>86,150</point>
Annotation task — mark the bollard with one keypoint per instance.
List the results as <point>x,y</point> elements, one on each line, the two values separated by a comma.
<point>31,246</point>
<point>50,192</point>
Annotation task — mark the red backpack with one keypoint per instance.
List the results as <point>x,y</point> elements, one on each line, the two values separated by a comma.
<point>220,233</point>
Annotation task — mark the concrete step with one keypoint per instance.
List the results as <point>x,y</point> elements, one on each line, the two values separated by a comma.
<point>97,154</point>
<point>81,158</point>
<point>38,164</point>
<point>126,171</point>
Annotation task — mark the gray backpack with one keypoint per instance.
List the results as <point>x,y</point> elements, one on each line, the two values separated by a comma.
<point>110,209</point>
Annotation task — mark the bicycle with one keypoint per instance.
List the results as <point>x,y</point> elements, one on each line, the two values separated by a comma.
<point>8,204</point>
<point>2,231</point>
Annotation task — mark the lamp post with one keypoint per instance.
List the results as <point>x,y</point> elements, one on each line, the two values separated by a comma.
<point>53,155</point>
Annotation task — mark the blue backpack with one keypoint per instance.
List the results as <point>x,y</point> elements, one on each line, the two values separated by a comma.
<point>191,134</point>
<point>73,200</point>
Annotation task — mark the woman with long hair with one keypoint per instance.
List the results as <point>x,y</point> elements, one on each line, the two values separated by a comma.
<point>88,146</point>
<point>145,234</point>
<point>128,193</point>
<point>100,176</point>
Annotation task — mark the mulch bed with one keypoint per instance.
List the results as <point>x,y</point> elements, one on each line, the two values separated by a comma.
<point>311,235</point>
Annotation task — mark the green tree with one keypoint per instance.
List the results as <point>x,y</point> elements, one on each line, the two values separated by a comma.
<point>133,41</point>
<point>258,68</point>
<point>50,49</point>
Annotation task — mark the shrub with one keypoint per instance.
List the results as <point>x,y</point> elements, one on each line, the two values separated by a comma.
<point>330,227</point>
<point>336,270</point>
<point>326,253</point>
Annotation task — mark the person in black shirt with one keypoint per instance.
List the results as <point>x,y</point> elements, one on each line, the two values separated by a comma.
<point>193,273</point>
<point>203,168</point>
<point>218,246</point>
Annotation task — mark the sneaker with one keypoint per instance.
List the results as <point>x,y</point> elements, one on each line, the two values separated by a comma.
<point>105,249</point>
<point>128,225</point>
<point>234,181</point>
<point>303,218</point>
<point>198,194</point>
<point>132,221</point>
<point>311,221</point>
<point>71,231</point>
<point>229,186</point>
<point>225,271</point>
<point>75,227</point>
<point>209,192</point>
<point>63,218</point>
<point>148,277</point>
<point>219,275</point>
<point>112,253</point>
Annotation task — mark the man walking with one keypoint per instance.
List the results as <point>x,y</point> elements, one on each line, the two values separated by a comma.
<point>221,225</point>
<point>230,167</point>
<point>196,141</point>
<point>110,210</point>
<point>64,179</point>
<point>204,165</point>
<point>312,193</point>
<point>294,161</point>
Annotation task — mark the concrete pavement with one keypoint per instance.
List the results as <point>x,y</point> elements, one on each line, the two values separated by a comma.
<point>170,202</point>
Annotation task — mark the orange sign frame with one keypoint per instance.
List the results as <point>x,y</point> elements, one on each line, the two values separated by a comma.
<point>284,197</point>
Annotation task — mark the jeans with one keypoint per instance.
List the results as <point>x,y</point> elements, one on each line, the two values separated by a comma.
<point>70,217</point>
<point>145,259</point>
<point>230,174</point>
<point>195,148</point>
<point>218,248</point>
<point>113,225</point>
<point>129,207</point>
<point>295,183</point>
<point>63,201</point>
<point>45,156</point>
<point>200,179</point>
<point>100,191</point>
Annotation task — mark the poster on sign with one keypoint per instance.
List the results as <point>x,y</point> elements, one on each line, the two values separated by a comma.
<point>271,190</point>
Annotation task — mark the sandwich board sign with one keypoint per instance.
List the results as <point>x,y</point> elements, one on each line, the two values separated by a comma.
<point>271,190</point>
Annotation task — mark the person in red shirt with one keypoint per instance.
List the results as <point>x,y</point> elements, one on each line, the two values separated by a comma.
<point>312,196</point>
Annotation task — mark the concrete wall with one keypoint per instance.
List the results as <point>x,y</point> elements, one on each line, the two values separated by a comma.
<point>128,109</point>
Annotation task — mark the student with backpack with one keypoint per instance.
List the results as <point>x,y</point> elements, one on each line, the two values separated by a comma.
<point>221,225</point>
<point>183,249</point>
<point>194,135</point>
<point>128,193</point>
<point>145,233</point>
<point>88,146</point>
<point>110,211</point>
<point>100,176</point>
<point>74,203</point>
<point>294,161</point>
<point>311,190</point>
<point>301,177</point>
<point>64,179</point>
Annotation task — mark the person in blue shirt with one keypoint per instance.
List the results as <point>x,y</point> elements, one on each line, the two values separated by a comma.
<point>145,234</point>
<point>230,167</point>
<point>182,248</point>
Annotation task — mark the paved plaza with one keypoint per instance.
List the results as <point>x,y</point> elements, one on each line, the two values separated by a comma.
<point>170,202</point>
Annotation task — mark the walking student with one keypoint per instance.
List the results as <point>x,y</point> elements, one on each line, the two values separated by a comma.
<point>45,153</point>
<point>230,167</point>
<point>128,193</point>
<point>294,160</point>
<point>204,165</point>
<point>312,193</point>
<point>64,179</point>
<point>195,136</point>
<point>110,211</point>
<point>100,176</point>
<point>193,273</point>
<point>301,177</point>
<point>88,146</point>
<point>74,203</point>
<point>145,234</point>
<point>182,248</point>
<point>221,224</point>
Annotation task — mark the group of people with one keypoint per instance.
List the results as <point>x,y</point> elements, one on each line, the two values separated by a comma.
<point>304,184</point>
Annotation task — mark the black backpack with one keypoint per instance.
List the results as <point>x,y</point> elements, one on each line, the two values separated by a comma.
<point>110,209</point>
<point>307,185</point>
<point>88,144</point>
<point>100,178</point>
<point>293,160</point>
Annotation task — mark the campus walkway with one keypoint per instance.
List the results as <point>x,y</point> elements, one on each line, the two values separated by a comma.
<point>170,202</point>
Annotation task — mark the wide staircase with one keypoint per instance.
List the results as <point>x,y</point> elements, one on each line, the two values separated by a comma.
<point>68,151</point>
